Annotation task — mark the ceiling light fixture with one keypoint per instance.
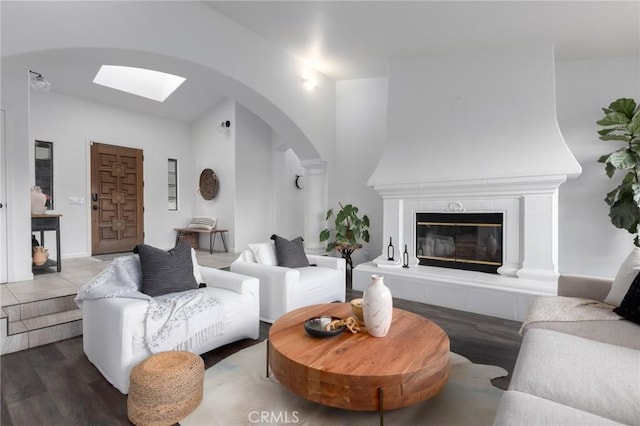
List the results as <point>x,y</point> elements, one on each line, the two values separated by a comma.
<point>38,82</point>
<point>149,84</point>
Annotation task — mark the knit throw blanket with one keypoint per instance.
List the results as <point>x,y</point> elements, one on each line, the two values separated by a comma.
<point>175,321</point>
<point>560,308</point>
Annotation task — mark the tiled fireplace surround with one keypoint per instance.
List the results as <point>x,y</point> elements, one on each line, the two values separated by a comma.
<point>530,244</point>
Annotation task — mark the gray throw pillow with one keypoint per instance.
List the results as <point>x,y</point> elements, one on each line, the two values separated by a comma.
<point>290,254</point>
<point>166,271</point>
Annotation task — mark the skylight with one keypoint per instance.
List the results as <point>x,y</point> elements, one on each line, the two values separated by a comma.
<point>150,84</point>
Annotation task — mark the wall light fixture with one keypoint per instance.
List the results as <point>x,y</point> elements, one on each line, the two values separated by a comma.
<point>38,82</point>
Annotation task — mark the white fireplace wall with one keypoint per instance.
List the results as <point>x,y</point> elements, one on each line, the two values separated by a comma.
<point>473,115</point>
<point>588,243</point>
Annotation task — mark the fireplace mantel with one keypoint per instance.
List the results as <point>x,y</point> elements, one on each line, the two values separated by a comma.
<point>530,208</point>
<point>530,215</point>
<point>494,187</point>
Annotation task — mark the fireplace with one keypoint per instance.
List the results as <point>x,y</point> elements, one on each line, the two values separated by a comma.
<point>474,132</point>
<point>467,241</point>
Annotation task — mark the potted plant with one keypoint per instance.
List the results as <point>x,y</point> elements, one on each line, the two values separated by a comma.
<point>348,228</point>
<point>622,123</point>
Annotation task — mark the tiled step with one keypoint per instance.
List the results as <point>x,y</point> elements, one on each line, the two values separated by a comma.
<point>38,323</point>
<point>40,307</point>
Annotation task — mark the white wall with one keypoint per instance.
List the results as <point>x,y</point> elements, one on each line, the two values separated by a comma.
<point>71,124</point>
<point>15,103</point>
<point>214,148</point>
<point>588,242</point>
<point>475,115</point>
<point>242,156</point>
<point>361,133</point>
<point>289,200</point>
<point>255,185</point>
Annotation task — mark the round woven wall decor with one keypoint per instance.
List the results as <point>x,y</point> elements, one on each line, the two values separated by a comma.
<point>208,184</point>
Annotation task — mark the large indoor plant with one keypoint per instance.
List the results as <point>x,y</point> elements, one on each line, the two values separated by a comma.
<point>348,227</point>
<point>622,123</point>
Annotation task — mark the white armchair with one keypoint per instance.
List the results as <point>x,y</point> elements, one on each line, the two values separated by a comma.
<point>114,327</point>
<point>284,289</point>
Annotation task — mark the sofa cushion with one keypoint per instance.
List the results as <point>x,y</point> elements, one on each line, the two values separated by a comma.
<point>621,333</point>
<point>290,253</point>
<point>523,409</point>
<point>166,271</point>
<point>264,253</point>
<point>596,377</point>
<point>630,307</point>
<point>624,277</point>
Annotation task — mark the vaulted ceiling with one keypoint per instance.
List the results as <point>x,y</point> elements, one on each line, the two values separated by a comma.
<point>355,39</point>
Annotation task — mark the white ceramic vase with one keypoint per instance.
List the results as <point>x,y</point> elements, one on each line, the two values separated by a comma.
<point>38,201</point>
<point>377,307</point>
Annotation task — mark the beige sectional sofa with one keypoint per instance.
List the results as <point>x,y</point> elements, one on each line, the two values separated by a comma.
<point>582,372</point>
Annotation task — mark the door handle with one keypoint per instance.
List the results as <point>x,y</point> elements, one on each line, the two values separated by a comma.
<point>94,197</point>
<point>95,207</point>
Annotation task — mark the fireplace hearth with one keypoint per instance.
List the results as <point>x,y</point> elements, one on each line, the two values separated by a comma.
<point>467,241</point>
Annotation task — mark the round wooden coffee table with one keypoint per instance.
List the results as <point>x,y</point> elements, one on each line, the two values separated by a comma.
<point>356,371</point>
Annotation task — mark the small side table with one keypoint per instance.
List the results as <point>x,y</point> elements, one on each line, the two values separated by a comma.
<point>346,250</point>
<point>212,236</point>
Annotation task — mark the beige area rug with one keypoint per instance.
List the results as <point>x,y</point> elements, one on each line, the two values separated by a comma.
<point>237,392</point>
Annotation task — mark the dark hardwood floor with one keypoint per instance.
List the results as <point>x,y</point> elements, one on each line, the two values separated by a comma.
<point>56,384</point>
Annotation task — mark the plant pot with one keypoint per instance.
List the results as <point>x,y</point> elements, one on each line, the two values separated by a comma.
<point>40,255</point>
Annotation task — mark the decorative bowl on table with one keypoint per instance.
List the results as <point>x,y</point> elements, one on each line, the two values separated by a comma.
<point>318,326</point>
<point>356,308</point>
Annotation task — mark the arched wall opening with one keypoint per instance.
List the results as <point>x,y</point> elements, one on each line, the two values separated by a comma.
<point>245,68</point>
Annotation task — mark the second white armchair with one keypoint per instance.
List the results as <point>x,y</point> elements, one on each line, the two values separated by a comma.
<point>283,289</point>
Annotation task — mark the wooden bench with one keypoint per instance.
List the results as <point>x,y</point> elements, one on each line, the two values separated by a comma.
<point>212,236</point>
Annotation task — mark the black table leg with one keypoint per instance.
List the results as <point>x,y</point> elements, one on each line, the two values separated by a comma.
<point>224,242</point>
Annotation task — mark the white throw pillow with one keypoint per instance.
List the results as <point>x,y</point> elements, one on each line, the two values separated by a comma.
<point>264,253</point>
<point>196,268</point>
<point>203,222</point>
<point>625,276</point>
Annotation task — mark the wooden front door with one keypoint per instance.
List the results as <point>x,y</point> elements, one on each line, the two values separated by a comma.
<point>117,220</point>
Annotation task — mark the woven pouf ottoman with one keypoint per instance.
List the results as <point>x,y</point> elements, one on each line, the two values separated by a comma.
<point>165,388</point>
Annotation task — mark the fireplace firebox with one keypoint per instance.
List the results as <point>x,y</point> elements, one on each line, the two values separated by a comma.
<point>468,241</point>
